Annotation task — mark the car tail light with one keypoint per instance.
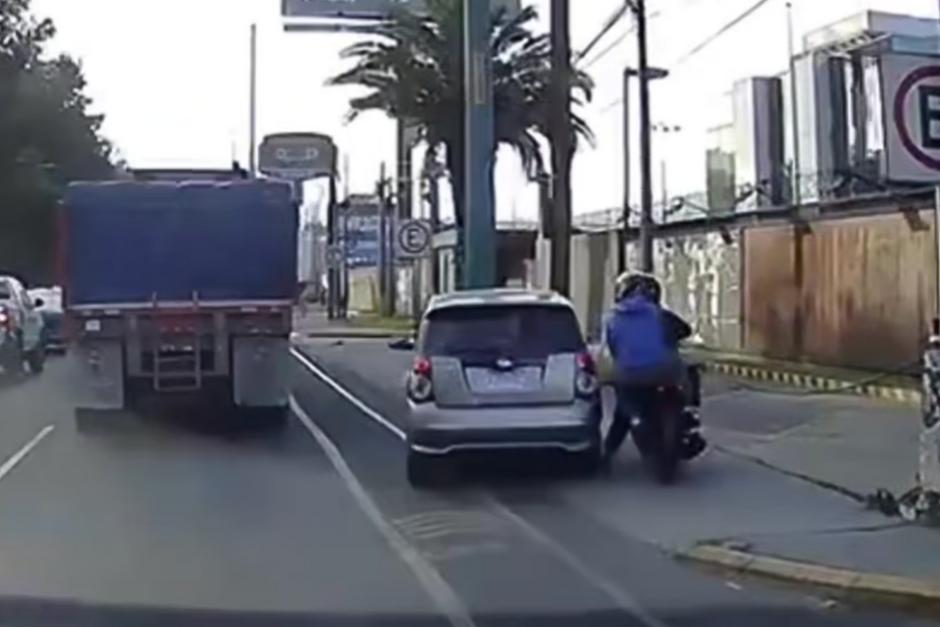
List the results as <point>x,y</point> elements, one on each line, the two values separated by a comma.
<point>585,380</point>
<point>586,363</point>
<point>420,387</point>
<point>6,323</point>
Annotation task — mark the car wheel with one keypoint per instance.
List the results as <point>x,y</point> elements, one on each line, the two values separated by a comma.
<point>36,360</point>
<point>272,419</point>
<point>587,463</point>
<point>423,470</point>
<point>12,362</point>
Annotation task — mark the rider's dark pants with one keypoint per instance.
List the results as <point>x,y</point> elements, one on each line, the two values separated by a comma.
<point>635,392</point>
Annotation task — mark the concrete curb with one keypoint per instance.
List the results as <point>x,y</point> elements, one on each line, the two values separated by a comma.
<point>859,584</point>
<point>909,396</point>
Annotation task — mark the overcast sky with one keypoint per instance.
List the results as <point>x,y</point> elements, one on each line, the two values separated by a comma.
<point>172,78</point>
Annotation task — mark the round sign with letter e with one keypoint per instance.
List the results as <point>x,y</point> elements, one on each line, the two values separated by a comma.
<point>413,239</point>
<point>912,98</point>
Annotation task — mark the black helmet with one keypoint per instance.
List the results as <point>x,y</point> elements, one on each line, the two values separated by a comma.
<point>639,284</point>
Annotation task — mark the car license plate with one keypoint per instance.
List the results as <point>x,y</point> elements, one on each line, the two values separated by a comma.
<point>490,381</point>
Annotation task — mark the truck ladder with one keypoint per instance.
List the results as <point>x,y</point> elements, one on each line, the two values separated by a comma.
<point>177,358</point>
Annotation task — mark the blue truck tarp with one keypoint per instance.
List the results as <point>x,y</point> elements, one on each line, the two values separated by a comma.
<point>127,242</point>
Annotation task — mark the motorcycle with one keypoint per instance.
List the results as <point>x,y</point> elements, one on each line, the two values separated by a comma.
<point>666,429</point>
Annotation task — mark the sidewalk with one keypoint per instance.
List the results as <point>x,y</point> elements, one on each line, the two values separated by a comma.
<point>850,444</point>
<point>315,323</point>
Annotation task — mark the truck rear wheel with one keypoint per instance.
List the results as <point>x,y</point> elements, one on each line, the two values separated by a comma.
<point>11,361</point>
<point>263,418</point>
<point>36,360</point>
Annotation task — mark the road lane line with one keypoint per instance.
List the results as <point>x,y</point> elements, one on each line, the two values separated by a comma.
<point>434,584</point>
<point>21,454</point>
<point>339,389</point>
<point>624,601</point>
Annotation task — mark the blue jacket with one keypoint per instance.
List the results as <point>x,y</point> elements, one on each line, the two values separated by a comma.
<point>641,335</point>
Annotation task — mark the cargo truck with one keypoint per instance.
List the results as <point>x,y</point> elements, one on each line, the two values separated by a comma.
<point>180,291</point>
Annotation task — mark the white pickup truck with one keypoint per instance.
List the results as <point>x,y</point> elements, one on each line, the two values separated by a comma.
<point>21,336</point>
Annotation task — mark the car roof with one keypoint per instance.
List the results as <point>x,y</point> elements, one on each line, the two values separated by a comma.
<point>509,297</point>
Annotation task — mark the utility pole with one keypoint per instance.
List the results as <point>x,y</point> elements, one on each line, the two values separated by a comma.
<point>404,146</point>
<point>480,220</point>
<point>562,146</point>
<point>332,274</point>
<point>253,102</point>
<point>434,207</point>
<point>646,157</point>
<point>380,192</point>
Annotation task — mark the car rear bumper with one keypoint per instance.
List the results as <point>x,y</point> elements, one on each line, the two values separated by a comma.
<point>435,431</point>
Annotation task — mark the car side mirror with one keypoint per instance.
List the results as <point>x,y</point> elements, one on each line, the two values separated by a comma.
<point>39,303</point>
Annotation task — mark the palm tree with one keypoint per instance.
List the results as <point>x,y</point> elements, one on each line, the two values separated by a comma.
<point>413,69</point>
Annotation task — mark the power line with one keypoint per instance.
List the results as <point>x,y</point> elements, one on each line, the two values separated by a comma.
<point>717,35</point>
<point>701,45</point>
<point>609,48</point>
<point>612,21</point>
<point>632,29</point>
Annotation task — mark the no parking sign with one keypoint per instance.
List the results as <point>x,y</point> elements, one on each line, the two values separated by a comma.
<point>413,239</point>
<point>911,86</point>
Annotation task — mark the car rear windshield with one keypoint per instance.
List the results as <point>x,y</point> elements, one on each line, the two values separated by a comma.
<point>524,332</point>
<point>5,292</point>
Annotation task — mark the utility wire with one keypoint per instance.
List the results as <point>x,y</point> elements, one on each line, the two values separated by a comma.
<point>703,44</point>
<point>613,45</point>
<point>717,35</point>
<point>612,21</point>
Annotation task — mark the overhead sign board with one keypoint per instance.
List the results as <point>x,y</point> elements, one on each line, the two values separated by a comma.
<point>413,239</point>
<point>365,9</point>
<point>297,156</point>
<point>911,88</point>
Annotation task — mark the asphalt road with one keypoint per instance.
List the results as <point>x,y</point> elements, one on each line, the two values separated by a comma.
<point>145,523</point>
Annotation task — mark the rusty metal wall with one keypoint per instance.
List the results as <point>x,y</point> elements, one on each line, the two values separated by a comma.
<point>857,292</point>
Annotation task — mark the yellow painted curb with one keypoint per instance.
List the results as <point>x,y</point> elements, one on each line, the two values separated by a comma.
<point>850,581</point>
<point>823,384</point>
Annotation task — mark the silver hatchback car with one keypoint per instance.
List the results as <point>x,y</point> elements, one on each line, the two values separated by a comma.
<point>500,370</point>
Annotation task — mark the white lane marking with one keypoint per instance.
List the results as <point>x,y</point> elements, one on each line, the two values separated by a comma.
<point>623,600</point>
<point>437,588</point>
<point>339,389</point>
<point>21,454</point>
<point>627,603</point>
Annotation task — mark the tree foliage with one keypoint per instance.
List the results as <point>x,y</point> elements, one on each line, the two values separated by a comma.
<point>413,69</point>
<point>47,138</point>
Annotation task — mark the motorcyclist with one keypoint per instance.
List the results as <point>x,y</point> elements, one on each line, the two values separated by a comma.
<point>643,339</point>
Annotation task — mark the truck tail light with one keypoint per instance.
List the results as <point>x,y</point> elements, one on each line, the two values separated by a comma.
<point>420,386</point>
<point>585,380</point>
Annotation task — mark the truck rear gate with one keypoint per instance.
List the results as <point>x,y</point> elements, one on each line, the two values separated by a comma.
<point>230,329</point>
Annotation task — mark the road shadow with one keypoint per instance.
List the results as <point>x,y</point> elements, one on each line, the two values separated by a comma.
<point>49,613</point>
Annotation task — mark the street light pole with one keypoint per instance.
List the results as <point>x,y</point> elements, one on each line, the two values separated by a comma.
<point>625,218</point>
<point>562,144</point>
<point>628,73</point>
<point>480,215</point>
<point>797,174</point>
<point>253,102</point>
<point>646,161</point>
